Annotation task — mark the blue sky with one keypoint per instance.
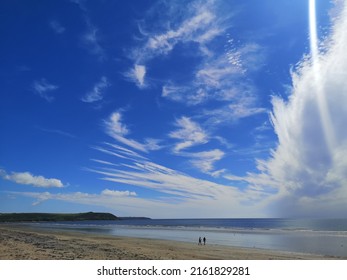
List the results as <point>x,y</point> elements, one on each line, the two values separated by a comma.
<point>174,109</point>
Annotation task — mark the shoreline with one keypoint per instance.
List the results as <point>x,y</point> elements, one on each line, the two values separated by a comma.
<point>19,242</point>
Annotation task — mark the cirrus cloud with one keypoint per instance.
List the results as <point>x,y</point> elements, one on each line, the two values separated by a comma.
<point>96,94</point>
<point>115,127</point>
<point>190,134</point>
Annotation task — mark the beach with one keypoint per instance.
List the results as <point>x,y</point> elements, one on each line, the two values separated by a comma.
<point>27,243</point>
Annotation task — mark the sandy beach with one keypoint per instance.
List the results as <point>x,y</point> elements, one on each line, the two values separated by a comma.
<point>25,243</point>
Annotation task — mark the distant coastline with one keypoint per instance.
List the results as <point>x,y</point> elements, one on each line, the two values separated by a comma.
<point>56,217</point>
<point>62,217</point>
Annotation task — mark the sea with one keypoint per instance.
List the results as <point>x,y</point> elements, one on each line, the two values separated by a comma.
<point>326,237</point>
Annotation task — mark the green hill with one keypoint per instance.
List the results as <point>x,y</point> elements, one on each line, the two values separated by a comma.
<point>55,217</point>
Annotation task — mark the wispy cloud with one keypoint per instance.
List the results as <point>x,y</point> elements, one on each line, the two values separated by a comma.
<point>137,75</point>
<point>205,160</point>
<point>176,92</point>
<point>119,151</point>
<point>118,130</point>
<point>96,94</point>
<point>91,37</point>
<point>189,133</point>
<point>57,26</point>
<point>198,23</point>
<point>90,40</point>
<point>115,193</point>
<point>26,178</point>
<point>57,131</point>
<point>43,88</point>
<point>243,107</point>
<point>199,28</point>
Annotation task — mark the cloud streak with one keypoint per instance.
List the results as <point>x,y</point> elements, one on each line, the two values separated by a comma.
<point>199,24</point>
<point>115,127</point>
<point>96,94</point>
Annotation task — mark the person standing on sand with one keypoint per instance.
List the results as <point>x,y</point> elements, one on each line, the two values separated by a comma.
<point>204,240</point>
<point>199,241</point>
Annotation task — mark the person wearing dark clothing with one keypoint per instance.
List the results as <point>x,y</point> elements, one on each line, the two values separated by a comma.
<point>204,240</point>
<point>199,241</point>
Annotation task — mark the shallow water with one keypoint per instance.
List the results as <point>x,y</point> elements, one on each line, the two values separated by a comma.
<point>325,237</point>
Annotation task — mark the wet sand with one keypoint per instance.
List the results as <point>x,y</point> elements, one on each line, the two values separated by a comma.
<point>25,243</point>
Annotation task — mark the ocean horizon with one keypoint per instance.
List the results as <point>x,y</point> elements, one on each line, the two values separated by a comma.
<point>326,237</point>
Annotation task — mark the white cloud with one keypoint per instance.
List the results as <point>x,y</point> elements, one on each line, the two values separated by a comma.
<point>43,88</point>
<point>190,133</point>
<point>242,110</point>
<point>180,93</point>
<point>244,106</point>
<point>153,144</point>
<point>217,72</point>
<point>119,151</point>
<point>196,28</point>
<point>117,193</point>
<point>96,94</point>
<point>103,162</point>
<point>205,160</point>
<point>198,23</point>
<point>26,178</point>
<point>137,75</point>
<point>115,126</point>
<point>308,168</point>
<point>119,131</point>
<point>116,129</point>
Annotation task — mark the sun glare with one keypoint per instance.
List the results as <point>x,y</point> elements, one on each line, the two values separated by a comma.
<point>318,79</point>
